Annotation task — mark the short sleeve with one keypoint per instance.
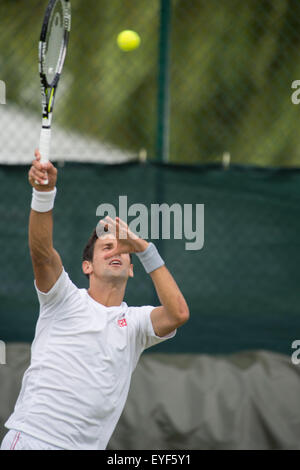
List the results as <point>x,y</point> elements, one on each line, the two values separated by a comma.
<point>58,291</point>
<point>146,336</point>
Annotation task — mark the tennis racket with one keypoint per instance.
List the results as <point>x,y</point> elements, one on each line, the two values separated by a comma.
<point>52,52</point>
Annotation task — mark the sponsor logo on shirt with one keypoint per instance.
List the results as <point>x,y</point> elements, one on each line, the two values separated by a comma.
<point>122,322</point>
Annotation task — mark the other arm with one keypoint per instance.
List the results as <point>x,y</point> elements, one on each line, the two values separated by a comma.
<point>174,311</point>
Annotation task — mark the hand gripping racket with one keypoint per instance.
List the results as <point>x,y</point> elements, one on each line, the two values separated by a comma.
<point>52,52</point>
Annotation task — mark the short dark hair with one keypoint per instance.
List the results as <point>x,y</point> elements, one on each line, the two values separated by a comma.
<point>88,252</point>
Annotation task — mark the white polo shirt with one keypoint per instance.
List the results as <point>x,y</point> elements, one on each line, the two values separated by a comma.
<point>82,359</point>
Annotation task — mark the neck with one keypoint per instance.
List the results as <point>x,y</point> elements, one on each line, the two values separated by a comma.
<point>107,293</point>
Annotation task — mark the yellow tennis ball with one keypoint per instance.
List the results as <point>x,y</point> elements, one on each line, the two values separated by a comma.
<point>128,40</point>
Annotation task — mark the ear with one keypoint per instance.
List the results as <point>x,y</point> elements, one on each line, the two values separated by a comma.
<point>87,267</point>
<point>131,274</point>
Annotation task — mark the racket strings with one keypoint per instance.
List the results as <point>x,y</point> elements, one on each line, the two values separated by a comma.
<point>55,43</point>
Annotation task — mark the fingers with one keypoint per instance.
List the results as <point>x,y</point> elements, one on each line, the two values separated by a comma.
<point>46,166</point>
<point>121,232</point>
<point>40,172</point>
<point>37,173</point>
<point>37,162</point>
<point>43,166</point>
<point>37,154</point>
<point>121,222</point>
<point>112,226</point>
<point>37,177</point>
<point>107,224</point>
<point>125,230</point>
<point>117,226</point>
<point>112,252</point>
<point>122,228</point>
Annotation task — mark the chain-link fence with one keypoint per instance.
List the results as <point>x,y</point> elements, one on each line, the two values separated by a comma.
<point>233,64</point>
<point>229,67</point>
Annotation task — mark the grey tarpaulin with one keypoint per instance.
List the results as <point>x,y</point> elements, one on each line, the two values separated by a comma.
<point>247,400</point>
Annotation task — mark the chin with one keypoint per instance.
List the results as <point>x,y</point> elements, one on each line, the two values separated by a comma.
<point>116,274</point>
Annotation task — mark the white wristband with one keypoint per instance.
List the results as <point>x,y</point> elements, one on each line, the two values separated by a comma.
<point>150,258</point>
<point>43,201</point>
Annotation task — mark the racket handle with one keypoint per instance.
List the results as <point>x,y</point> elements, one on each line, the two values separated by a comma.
<point>44,147</point>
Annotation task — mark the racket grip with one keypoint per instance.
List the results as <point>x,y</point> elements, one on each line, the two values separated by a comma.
<point>44,147</point>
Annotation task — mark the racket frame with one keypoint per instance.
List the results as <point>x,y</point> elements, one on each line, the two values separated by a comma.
<point>48,90</point>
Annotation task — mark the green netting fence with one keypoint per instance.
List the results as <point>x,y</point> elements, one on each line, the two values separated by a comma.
<point>221,71</point>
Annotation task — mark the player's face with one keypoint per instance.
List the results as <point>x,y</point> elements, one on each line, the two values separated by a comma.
<point>114,267</point>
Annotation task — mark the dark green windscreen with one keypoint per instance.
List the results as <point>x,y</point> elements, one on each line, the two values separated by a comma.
<point>242,287</point>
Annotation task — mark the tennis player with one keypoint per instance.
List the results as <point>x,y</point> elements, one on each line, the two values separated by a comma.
<point>87,341</point>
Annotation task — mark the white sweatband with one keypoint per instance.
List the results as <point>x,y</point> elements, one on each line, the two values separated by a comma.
<point>43,201</point>
<point>150,258</point>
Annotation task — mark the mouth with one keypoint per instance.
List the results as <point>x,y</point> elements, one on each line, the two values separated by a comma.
<point>115,262</point>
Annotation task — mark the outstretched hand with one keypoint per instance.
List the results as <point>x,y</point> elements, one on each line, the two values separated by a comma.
<point>127,241</point>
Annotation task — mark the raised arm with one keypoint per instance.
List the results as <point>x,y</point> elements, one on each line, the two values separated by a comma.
<point>46,262</point>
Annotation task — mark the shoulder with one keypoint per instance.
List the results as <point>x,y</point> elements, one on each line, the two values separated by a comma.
<point>62,289</point>
<point>139,309</point>
<point>139,312</point>
<point>140,318</point>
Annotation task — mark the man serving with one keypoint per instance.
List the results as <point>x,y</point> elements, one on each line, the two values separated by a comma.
<point>87,341</point>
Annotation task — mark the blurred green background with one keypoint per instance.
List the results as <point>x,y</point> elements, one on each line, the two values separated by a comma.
<point>232,64</point>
